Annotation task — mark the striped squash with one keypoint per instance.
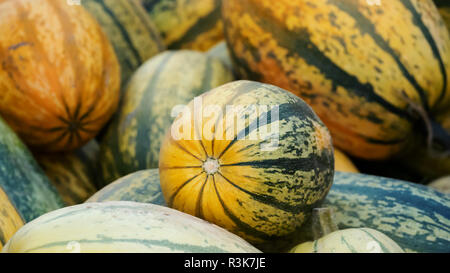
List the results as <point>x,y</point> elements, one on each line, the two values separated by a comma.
<point>73,174</point>
<point>130,30</point>
<point>59,76</point>
<point>258,182</point>
<point>187,24</point>
<point>352,240</point>
<point>371,72</point>
<point>123,227</point>
<point>444,10</point>
<point>342,163</point>
<point>416,217</point>
<point>25,192</point>
<point>133,139</point>
<point>142,186</point>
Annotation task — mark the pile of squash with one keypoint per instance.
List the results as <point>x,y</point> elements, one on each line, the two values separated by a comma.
<point>224,126</point>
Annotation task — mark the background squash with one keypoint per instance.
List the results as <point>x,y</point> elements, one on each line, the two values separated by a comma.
<point>74,174</point>
<point>142,186</point>
<point>257,183</point>
<point>352,240</point>
<point>132,33</point>
<point>187,24</point>
<point>25,191</point>
<point>372,73</point>
<point>59,75</point>
<point>416,217</point>
<point>342,163</point>
<point>123,227</point>
<point>441,184</point>
<point>172,78</point>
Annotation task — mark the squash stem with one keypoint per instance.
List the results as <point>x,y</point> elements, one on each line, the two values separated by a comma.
<point>322,222</point>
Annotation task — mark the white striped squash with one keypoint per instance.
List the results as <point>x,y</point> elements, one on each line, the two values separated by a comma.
<point>118,227</point>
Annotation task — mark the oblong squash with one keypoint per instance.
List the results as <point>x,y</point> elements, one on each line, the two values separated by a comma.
<point>59,76</point>
<point>352,240</point>
<point>416,217</point>
<point>142,186</point>
<point>259,177</point>
<point>25,191</point>
<point>123,227</point>
<point>371,72</point>
<point>132,33</point>
<point>187,24</point>
<point>172,78</point>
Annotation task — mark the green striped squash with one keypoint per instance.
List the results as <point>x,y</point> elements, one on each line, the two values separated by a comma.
<point>132,33</point>
<point>172,78</point>
<point>25,191</point>
<point>375,74</point>
<point>73,174</point>
<point>416,217</point>
<point>187,24</point>
<point>123,227</point>
<point>142,186</point>
<point>259,177</point>
<point>352,240</point>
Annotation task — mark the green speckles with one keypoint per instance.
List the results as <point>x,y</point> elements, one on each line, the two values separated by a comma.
<point>172,78</point>
<point>414,216</point>
<point>22,179</point>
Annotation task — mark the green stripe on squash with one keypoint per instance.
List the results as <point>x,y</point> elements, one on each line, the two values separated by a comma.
<point>187,24</point>
<point>172,78</point>
<point>359,69</point>
<point>142,186</point>
<point>131,32</point>
<point>416,217</point>
<point>123,227</point>
<point>21,178</point>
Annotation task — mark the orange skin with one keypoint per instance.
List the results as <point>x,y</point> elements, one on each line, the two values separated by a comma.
<point>59,75</point>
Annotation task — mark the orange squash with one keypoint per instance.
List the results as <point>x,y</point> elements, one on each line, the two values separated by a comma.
<point>59,75</point>
<point>257,184</point>
<point>373,73</point>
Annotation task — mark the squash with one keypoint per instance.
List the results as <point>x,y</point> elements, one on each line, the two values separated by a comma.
<point>187,24</point>
<point>59,75</point>
<point>258,176</point>
<point>132,33</point>
<point>142,186</point>
<point>416,217</point>
<point>373,73</point>
<point>132,140</point>
<point>441,184</point>
<point>74,174</point>
<point>25,191</point>
<point>342,163</point>
<point>352,240</point>
<point>123,227</point>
